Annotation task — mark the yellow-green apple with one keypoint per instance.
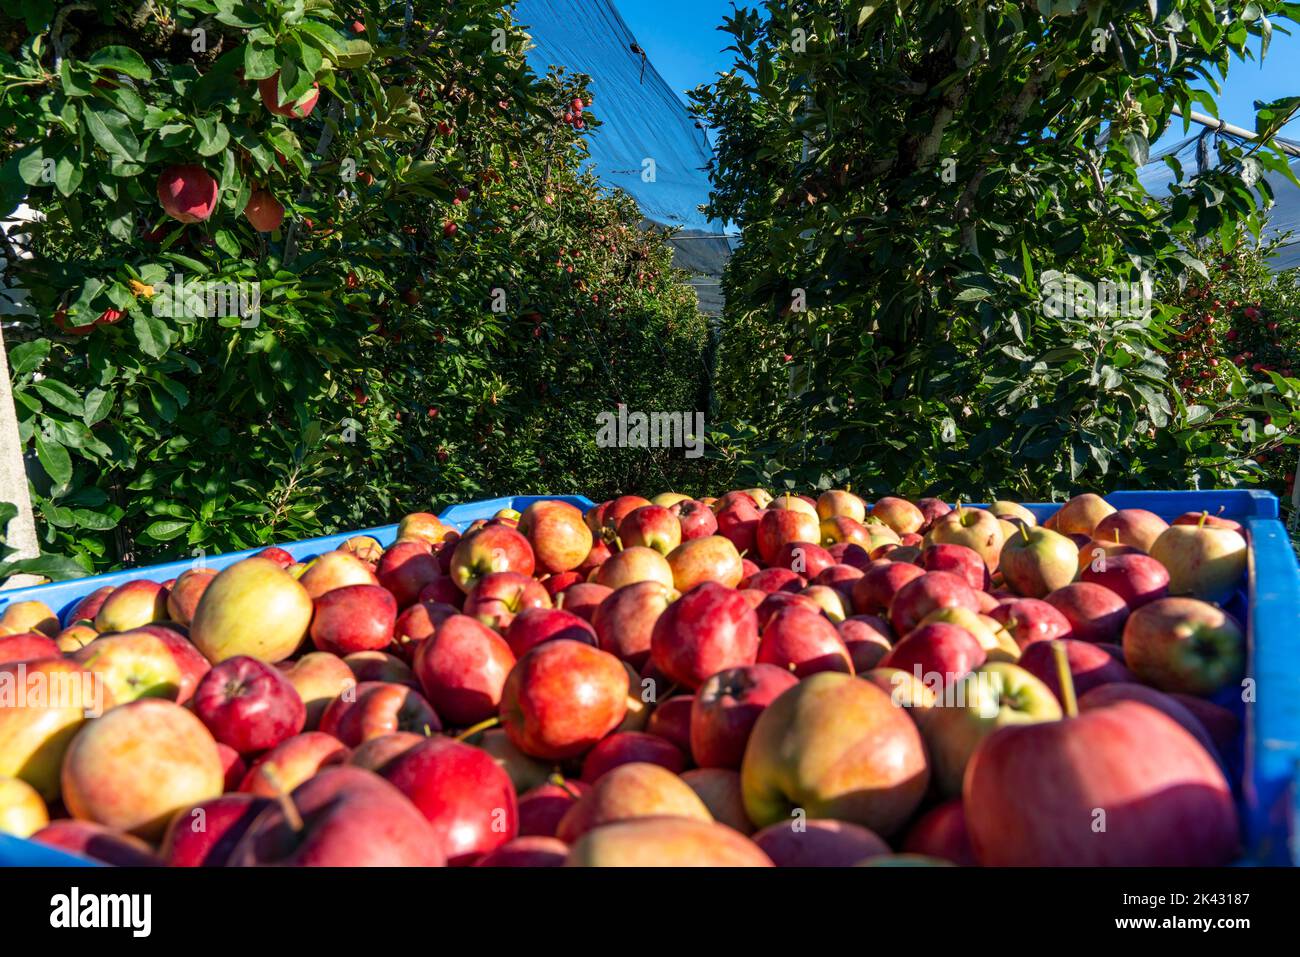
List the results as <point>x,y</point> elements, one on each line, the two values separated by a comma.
<point>738,523</point>
<point>559,537</point>
<point>23,616</point>
<point>1138,579</point>
<point>665,842</point>
<point>562,697</point>
<point>375,753</point>
<point>354,618</point>
<point>417,623</point>
<point>335,569</point>
<point>695,518</point>
<point>634,564</point>
<point>1036,561</point>
<point>1131,526</point>
<point>958,559</point>
<point>783,526</point>
<point>761,496</point>
<point>803,642</point>
<point>972,527</point>
<point>669,499</point>
<point>422,525</point>
<point>631,791</point>
<point>374,708</point>
<point>497,597</point>
<point>1203,561</point>
<point>1209,521</point>
<point>1103,695</point>
<point>582,599</point>
<point>76,635</point>
<point>462,792</point>
<point>532,626</point>
<point>405,569</point>
<point>835,502</point>
<point>709,628</point>
<point>135,603</point>
<point>712,559</point>
<point>818,843</point>
<point>319,677</point>
<point>719,789</point>
<point>899,514</point>
<point>922,595</point>
<point>625,620</point>
<point>837,747</point>
<point>541,808</point>
<point>726,707</point>
<point>132,664</point>
<point>138,764</point>
<point>997,643</point>
<point>792,503</point>
<point>1013,510</point>
<point>343,817</point>
<point>1160,798</point>
<point>254,608</point>
<point>88,607</point>
<point>1095,613</point>
<point>990,697</point>
<point>1090,665</point>
<point>27,646</point>
<point>832,604</point>
<point>97,842</point>
<point>630,747</point>
<point>868,639</point>
<point>1028,620</point>
<point>205,834</point>
<point>671,720</point>
<point>463,667</point>
<point>905,690</point>
<point>651,526</point>
<point>183,596</point>
<point>380,666</point>
<point>22,812</point>
<point>365,548</point>
<point>43,704</point>
<point>803,558</point>
<point>193,666</point>
<point>1081,514</point>
<point>1184,645</point>
<point>882,539</point>
<point>880,581</point>
<point>291,762</point>
<point>527,852</point>
<point>249,705</point>
<point>493,548</point>
<point>939,653</point>
<point>941,833</point>
<point>524,772</point>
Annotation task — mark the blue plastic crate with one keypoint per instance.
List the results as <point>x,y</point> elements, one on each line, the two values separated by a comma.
<point>1268,789</point>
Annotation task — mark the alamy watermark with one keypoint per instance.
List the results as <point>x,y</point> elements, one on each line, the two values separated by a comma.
<point>653,430</point>
<point>198,298</point>
<point>1070,297</point>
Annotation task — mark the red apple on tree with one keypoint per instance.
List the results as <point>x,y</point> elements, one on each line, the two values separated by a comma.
<point>187,193</point>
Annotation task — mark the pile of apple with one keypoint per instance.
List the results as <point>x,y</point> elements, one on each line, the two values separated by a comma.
<point>745,680</point>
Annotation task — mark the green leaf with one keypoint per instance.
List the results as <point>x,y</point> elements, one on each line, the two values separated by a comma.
<point>165,531</point>
<point>112,131</point>
<point>55,460</point>
<point>122,60</point>
<point>28,356</point>
<point>98,404</point>
<point>150,333</point>
<point>59,395</point>
<point>54,567</point>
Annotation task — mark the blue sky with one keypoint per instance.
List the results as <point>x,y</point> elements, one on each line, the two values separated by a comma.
<point>680,38</point>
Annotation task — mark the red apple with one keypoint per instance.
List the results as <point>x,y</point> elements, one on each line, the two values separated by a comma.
<point>868,639</point>
<point>726,707</point>
<point>899,514</point>
<point>803,558</point>
<point>354,618</point>
<point>671,720</point>
<point>249,705</point>
<point>88,607</point>
<point>1090,665</point>
<point>803,642</point>
<point>712,559</point>
<point>634,564</point>
<point>532,626</point>
<point>782,526</point>
<point>527,852</point>
<point>1223,726</point>
<point>135,603</point>
<point>335,570</point>
<point>461,791</point>
<point>937,649</point>
<point>941,833</point>
<point>183,597</point>
<point>1137,579</point>
<point>665,842</point>
<point>695,518</point>
<point>708,629</point>
<point>582,599</point>
<point>497,597</point>
<point>291,762</point>
<point>719,789</point>
<point>1095,613</point>
<point>931,509</point>
<point>375,708</point>
<point>627,747</point>
<point>804,843</point>
<point>738,523</point>
<point>417,624</point>
<point>494,548</point>
<point>1184,645</point>
<point>1081,515</point>
<point>625,620</point>
<point>1208,521</point>
<point>405,569</point>
<point>104,844</point>
<point>132,664</point>
<point>463,668</point>
<point>442,591</point>
<point>187,193</point>
<point>562,697</point>
<point>1028,620</point>
<point>972,527</point>
<point>776,579</point>
<point>631,791</point>
<point>881,580</point>
<point>380,666</point>
<point>26,646</point>
<point>559,537</point>
<point>1105,695</point>
<point>374,754</point>
<point>652,526</point>
<point>1130,526</point>
<point>205,834</point>
<point>300,109</point>
<point>253,607</point>
<point>542,807</point>
<point>919,597</point>
<point>233,767</point>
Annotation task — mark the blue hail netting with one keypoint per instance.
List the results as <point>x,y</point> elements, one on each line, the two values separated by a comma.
<point>1156,176</point>
<point>641,115</point>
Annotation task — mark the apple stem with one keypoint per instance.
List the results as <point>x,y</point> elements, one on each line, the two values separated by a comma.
<point>1024,531</point>
<point>1069,703</point>
<point>1204,518</point>
<point>290,810</point>
<point>560,782</point>
<point>474,729</point>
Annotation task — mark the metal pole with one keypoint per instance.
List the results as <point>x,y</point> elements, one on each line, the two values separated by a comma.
<point>1231,130</point>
